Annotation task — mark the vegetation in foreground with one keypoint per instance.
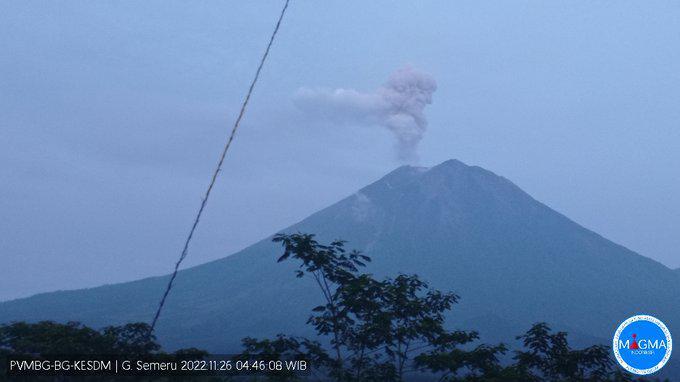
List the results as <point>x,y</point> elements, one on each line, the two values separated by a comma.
<point>394,330</point>
<point>367,330</point>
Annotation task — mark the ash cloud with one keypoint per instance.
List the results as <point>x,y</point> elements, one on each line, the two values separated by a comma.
<point>398,106</point>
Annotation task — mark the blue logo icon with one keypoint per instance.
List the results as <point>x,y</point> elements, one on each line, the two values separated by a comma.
<point>642,344</point>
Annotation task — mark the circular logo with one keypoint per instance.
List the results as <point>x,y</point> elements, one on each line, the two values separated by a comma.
<point>642,344</point>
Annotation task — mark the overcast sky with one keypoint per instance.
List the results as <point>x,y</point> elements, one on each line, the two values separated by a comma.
<point>112,115</point>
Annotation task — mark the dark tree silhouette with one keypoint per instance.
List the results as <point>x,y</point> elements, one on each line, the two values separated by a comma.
<point>367,330</point>
<point>45,338</point>
<point>394,330</point>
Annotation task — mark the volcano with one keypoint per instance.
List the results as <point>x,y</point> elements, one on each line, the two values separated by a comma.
<point>513,261</point>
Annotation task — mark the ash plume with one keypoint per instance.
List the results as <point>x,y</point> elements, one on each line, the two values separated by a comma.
<point>398,106</point>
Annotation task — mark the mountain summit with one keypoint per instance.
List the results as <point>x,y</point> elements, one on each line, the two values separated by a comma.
<point>513,261</point>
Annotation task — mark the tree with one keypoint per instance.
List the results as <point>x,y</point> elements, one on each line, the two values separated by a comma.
<point>368,330</point>
<point>545,356</point>
<point>375,328</point>
<point>46,338</point>
<point>548,356</point>
<point>385,330</point>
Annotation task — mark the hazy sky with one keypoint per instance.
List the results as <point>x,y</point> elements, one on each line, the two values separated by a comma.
<point>112,115</point>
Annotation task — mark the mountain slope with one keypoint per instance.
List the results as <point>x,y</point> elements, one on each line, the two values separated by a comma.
<point>513,260</point>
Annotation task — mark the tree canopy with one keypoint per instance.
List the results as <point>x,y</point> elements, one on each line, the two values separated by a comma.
<point>394,329</point>
<point>367,329</point>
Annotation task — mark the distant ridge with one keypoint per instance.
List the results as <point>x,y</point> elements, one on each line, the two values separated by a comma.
<point>513,260</point>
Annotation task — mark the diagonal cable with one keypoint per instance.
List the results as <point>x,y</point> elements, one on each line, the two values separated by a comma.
<point>185,250</point>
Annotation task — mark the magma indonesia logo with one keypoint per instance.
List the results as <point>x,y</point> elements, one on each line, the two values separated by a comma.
<point>642,344</point>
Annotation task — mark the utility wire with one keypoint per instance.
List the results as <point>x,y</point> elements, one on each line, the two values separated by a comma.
<point>185,250</point>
